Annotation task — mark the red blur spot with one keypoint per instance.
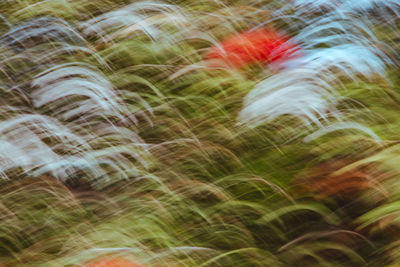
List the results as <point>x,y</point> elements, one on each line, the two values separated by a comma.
<point>258,46</point>
<point>112,262</point>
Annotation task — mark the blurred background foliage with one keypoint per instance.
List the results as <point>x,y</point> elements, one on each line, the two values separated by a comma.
<point>117,140</point>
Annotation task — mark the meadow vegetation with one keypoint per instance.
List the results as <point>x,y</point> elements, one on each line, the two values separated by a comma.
<point>121,137</point>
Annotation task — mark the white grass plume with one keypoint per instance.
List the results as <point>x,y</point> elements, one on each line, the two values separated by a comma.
<point>77,124</point>
<point>45,29</point>
<point>142,16</point>
<point>57,84</point>
<point>336,47</point>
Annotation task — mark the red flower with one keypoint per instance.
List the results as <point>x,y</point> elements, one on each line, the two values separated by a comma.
<point>262,46</point>
<point>112,262</point>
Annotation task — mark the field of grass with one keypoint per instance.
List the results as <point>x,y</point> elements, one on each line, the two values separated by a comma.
<point>127,133</point>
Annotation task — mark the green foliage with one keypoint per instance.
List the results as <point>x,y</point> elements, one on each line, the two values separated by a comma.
<point>117,139</point>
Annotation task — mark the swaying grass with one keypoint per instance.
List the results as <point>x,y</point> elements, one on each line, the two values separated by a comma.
<point>122,141</point>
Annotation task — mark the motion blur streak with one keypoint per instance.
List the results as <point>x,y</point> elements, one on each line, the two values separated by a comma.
<point>199,133</point>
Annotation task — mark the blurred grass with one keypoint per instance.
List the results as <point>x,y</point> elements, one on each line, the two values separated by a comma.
<point>214,193</point>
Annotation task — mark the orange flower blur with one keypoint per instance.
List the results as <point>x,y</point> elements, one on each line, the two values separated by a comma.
<point>262,46</point>
<point>112,262</point>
